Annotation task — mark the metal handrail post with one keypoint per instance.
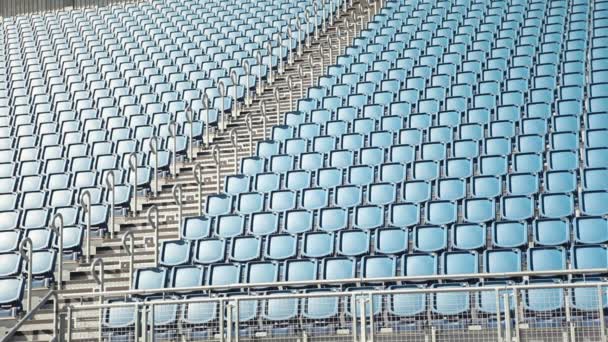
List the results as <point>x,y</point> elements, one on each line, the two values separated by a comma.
<point>111,184</point>
<point>153,144</point>
<point>198,177</point>
<point>154,223</point>
<point>247,69</point>
<point>263,117</point>
<point>215,153</point>
<point>221,121</point>
<point>301,77</point>
<point>58,229</point>
<point>173,134</point>
<point>27,255</point>
<point>250,133</point>
<point>190,121</point>
<point>177,196</point>
<point>235,102</point>
<point>128,243</point>
<point>86,205</point>
<point>290,58</point>
<point>260,85</point>
<point>232,136</point>
<point>299,28</point>
<point>99,279</point>
<point>281,66</point>
<point>277,98</point>
<point>290,88</point>
<point>133,168</point>
<point>270,76</point>
<point>207,138</point>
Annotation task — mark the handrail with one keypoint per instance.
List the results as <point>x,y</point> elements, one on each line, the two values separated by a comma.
<point>206,138</point>
<point>154,223</point>
<point>128,243</point>
<point>290,58</point>
<point>172,126</point>
<point>290,88</point>
<point>235,103</point>
<point>58,230</point>
<point>277,98</point>
<point>270,77</point>
<point>153,144</point>
<point>133,168</point>
<point>215,153</point>
<point>111,184</point>
<point>27,255</point>
<point>190,121</point>
<point>86,206</point>
<point>357,280</point>
<point>281,66</point>
<point>258,60</point>
<point>232,136</point>
<point>247,69</point>
<point>198,177</point>
<point>299,28</point>
<point>99,279</point>
<point>263,117</point>
<point>221,86</point>
<point>29,314</point>
<point>250,133</point>
<point>301,77</point>
<point>177,197</point>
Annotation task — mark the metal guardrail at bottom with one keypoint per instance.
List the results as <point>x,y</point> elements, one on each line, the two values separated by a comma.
<point>536,312</point>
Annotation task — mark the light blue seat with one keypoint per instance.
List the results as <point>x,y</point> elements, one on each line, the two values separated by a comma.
<point>502,261</point>
<point>468,236</point>
<point>593,203</point>
<point>478,210</point>
<point>516,207</point>
<point>353,243</point>
<point>590,256</point>
<point>590,229</point>
<point>440,212</point>
<point>419,264</point>
<point>546,258</point>
<point>430,238</point>
<point>461,262</point>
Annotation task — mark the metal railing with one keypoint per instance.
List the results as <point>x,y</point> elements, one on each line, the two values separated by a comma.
<point>344,282</point>
<point>547,312</point>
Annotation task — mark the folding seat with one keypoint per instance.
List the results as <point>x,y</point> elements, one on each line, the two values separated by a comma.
<point>223,274</point>
<point>492,165</point>
<point>337,268</point>
<point>378,267</point>
<point>260,272</point>
<point>245,248</point>
<point>502,261</point>
<point>531,143</point>
<point>353,243</point>
<point>412,137</point>
<point>381,193</point>
<point>546,258</point>
<point>10,264</point>
<point>517,207</point>
<point>478,210</point>
<point>208,251</point>
<point>486,186</point>
<point>299,270</point>
<point>450,303</point>
<point>195,228</point>
<point>249,202</point>
<point>218,204</point>
<point>593,203</point>
<point>8,201</point>
<point>463,262</point>
<point>470,131</point>
<point>522,184</point>
<point>465,148</point>
<point>149,278</point>
<point>332,177</point>
<point>430,238</point>
<point>227,226</point>
<point>588,257</point>
<point>311,161</point>
<point>426,170</point>
<point>595,157</point>
<point>314,198</point>
<point>468,236</point>
<point>236,184</point>
<point>262,182</point>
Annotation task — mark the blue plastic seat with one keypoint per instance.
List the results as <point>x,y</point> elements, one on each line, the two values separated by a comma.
<point>261,272</point>
<point>440,212</point>
<point>593,203</point>
<point>478,210</point>
<point>337,268</point>
<point>462,262</point>
<point>149,278</point>
<point>590,229</point>
<point>209,251</point>
<point>187,276</point>
<point>450,303</point>
<point>298,221</point>
<point>468,236</point>
<point>430,238</point>
<point>299,270</point>
<point>223,274</point>
<point>314,198</point>
<point>556,205</point>
<point>591,256</point>
<point>175,252</point>
<point>546,258</point>
<point>353,243</point>
<point>244,248</point>
<point>543,300</point>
